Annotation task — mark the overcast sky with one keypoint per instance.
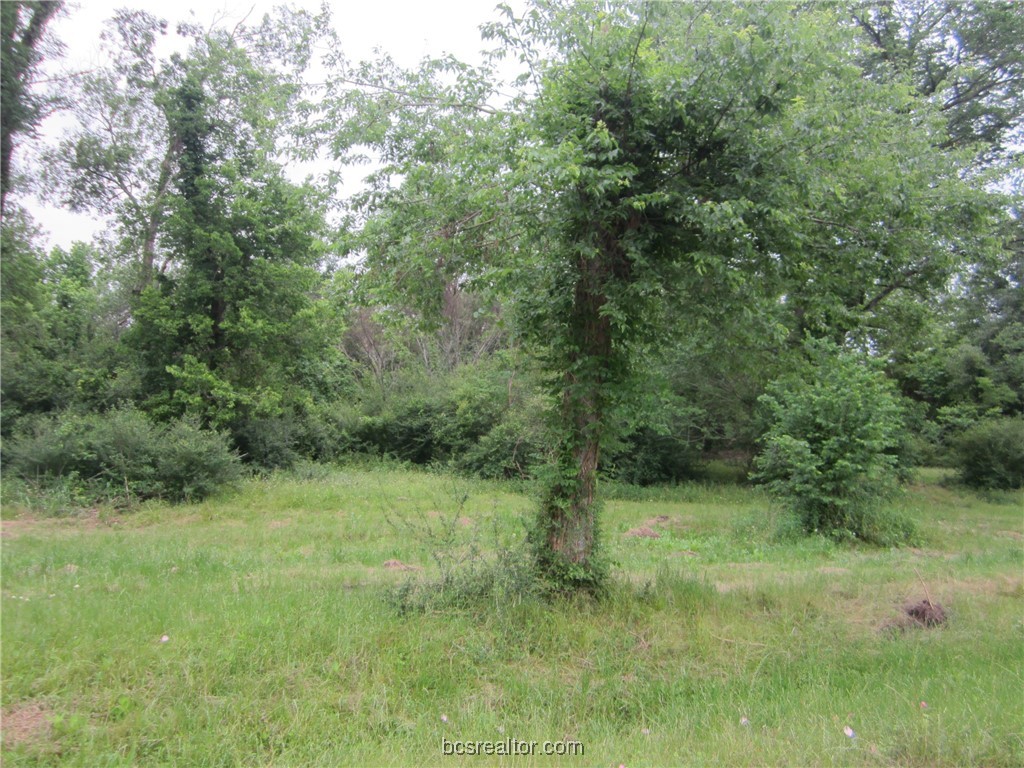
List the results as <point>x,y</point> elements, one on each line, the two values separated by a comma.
<point>406,29</point>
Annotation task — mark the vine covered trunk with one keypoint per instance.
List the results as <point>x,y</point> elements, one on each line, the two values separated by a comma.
<point>569,553</point>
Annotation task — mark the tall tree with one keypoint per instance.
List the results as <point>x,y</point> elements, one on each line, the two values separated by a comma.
<point>21,28</point>
<point>709,159</point>
<point>122,156</point>
<point>230,332</point>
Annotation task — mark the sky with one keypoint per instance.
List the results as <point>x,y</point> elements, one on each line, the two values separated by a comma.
<point>407,29</point>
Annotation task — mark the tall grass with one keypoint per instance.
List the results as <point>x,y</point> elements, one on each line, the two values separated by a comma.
<point>260,628</point>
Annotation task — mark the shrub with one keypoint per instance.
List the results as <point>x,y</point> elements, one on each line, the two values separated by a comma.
<point>269,442</point>
<point>514,448</point>
<point>194,462</point>
<point>479,418</point>
<point>991,454</point>
<point>830,449</point>
<point>46,446</point>
<point>121,453</point>
<point>649,456</point>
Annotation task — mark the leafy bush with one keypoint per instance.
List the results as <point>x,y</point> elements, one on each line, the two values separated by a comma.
<point>270,442</point>
<point>479,418</point>
<point>194,462</point>
<point>513,448</point>
<point>830,450</point>
<point>991,454</point>
<point>650,456</point>
<point>122,453</point>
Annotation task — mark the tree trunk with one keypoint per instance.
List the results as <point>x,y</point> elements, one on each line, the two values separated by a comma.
<point>568,552</point>
<point>569,509</point>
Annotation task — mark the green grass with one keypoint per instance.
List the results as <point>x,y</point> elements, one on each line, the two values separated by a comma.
<point>285,649</point>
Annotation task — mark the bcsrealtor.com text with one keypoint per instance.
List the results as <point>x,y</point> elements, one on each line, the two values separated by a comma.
<point>511,746</point>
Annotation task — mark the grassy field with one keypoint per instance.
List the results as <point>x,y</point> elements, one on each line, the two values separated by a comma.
<point>263,628</point>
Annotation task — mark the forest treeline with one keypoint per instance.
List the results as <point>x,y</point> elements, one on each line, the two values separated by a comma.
<point>654,248</point>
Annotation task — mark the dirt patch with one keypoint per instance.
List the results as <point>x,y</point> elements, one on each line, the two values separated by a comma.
<point>643,532</point>
<point>926,613</point>
<point>91,519</point>
<point>1016,535</point>
<point>275,524</point>
<point>836,570</point>
<point>921,614</point>
<point>12,529</point>
<point>398,565</point>
<point>683,553</point>
<point>29,722</point>
<point>465,522</point>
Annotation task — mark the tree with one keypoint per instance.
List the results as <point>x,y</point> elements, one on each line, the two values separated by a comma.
<point>230,332</point>
<point>123,154</point>
<point>21,28</point>
<point>965,57</point>
<point>713,160</point>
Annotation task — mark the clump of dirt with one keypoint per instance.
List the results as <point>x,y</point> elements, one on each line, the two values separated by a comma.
<point>659,520</point>
<point>926,613</point>
<point>26,723</point>
<point>643,532</point>
<point>398,565</point>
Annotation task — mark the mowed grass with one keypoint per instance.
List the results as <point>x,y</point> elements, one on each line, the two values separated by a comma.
<point>257,629</point>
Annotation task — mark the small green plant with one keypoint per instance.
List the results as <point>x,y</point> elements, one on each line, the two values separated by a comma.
<point>991,454</point>
<point>471,572</point>
<point>830,449</point>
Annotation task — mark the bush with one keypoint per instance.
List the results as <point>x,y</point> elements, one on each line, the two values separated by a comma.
<point>513,448</point>
<point>650,456</point>
<point>121,453</point>
<point>269,442</point>
<point>830,452</point>
<point>194,462</point>
<point>479,418</point>
<point>991,454</point>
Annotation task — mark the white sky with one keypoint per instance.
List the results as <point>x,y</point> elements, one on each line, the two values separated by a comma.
<point>406,29</point>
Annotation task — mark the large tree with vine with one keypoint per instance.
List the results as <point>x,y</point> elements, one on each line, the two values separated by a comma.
<point>712,160</point>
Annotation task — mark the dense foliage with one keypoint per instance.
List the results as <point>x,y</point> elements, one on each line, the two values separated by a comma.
<point>991,454</point>
<point>594,267</point>
<point>123,455</point>
<point>831,447</point>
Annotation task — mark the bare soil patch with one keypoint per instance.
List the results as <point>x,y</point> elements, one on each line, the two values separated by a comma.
<point>398,565</point>
<point>26,723</point>
<point>12,529</point>
<point>926,613</point>
<point>918,614</point>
